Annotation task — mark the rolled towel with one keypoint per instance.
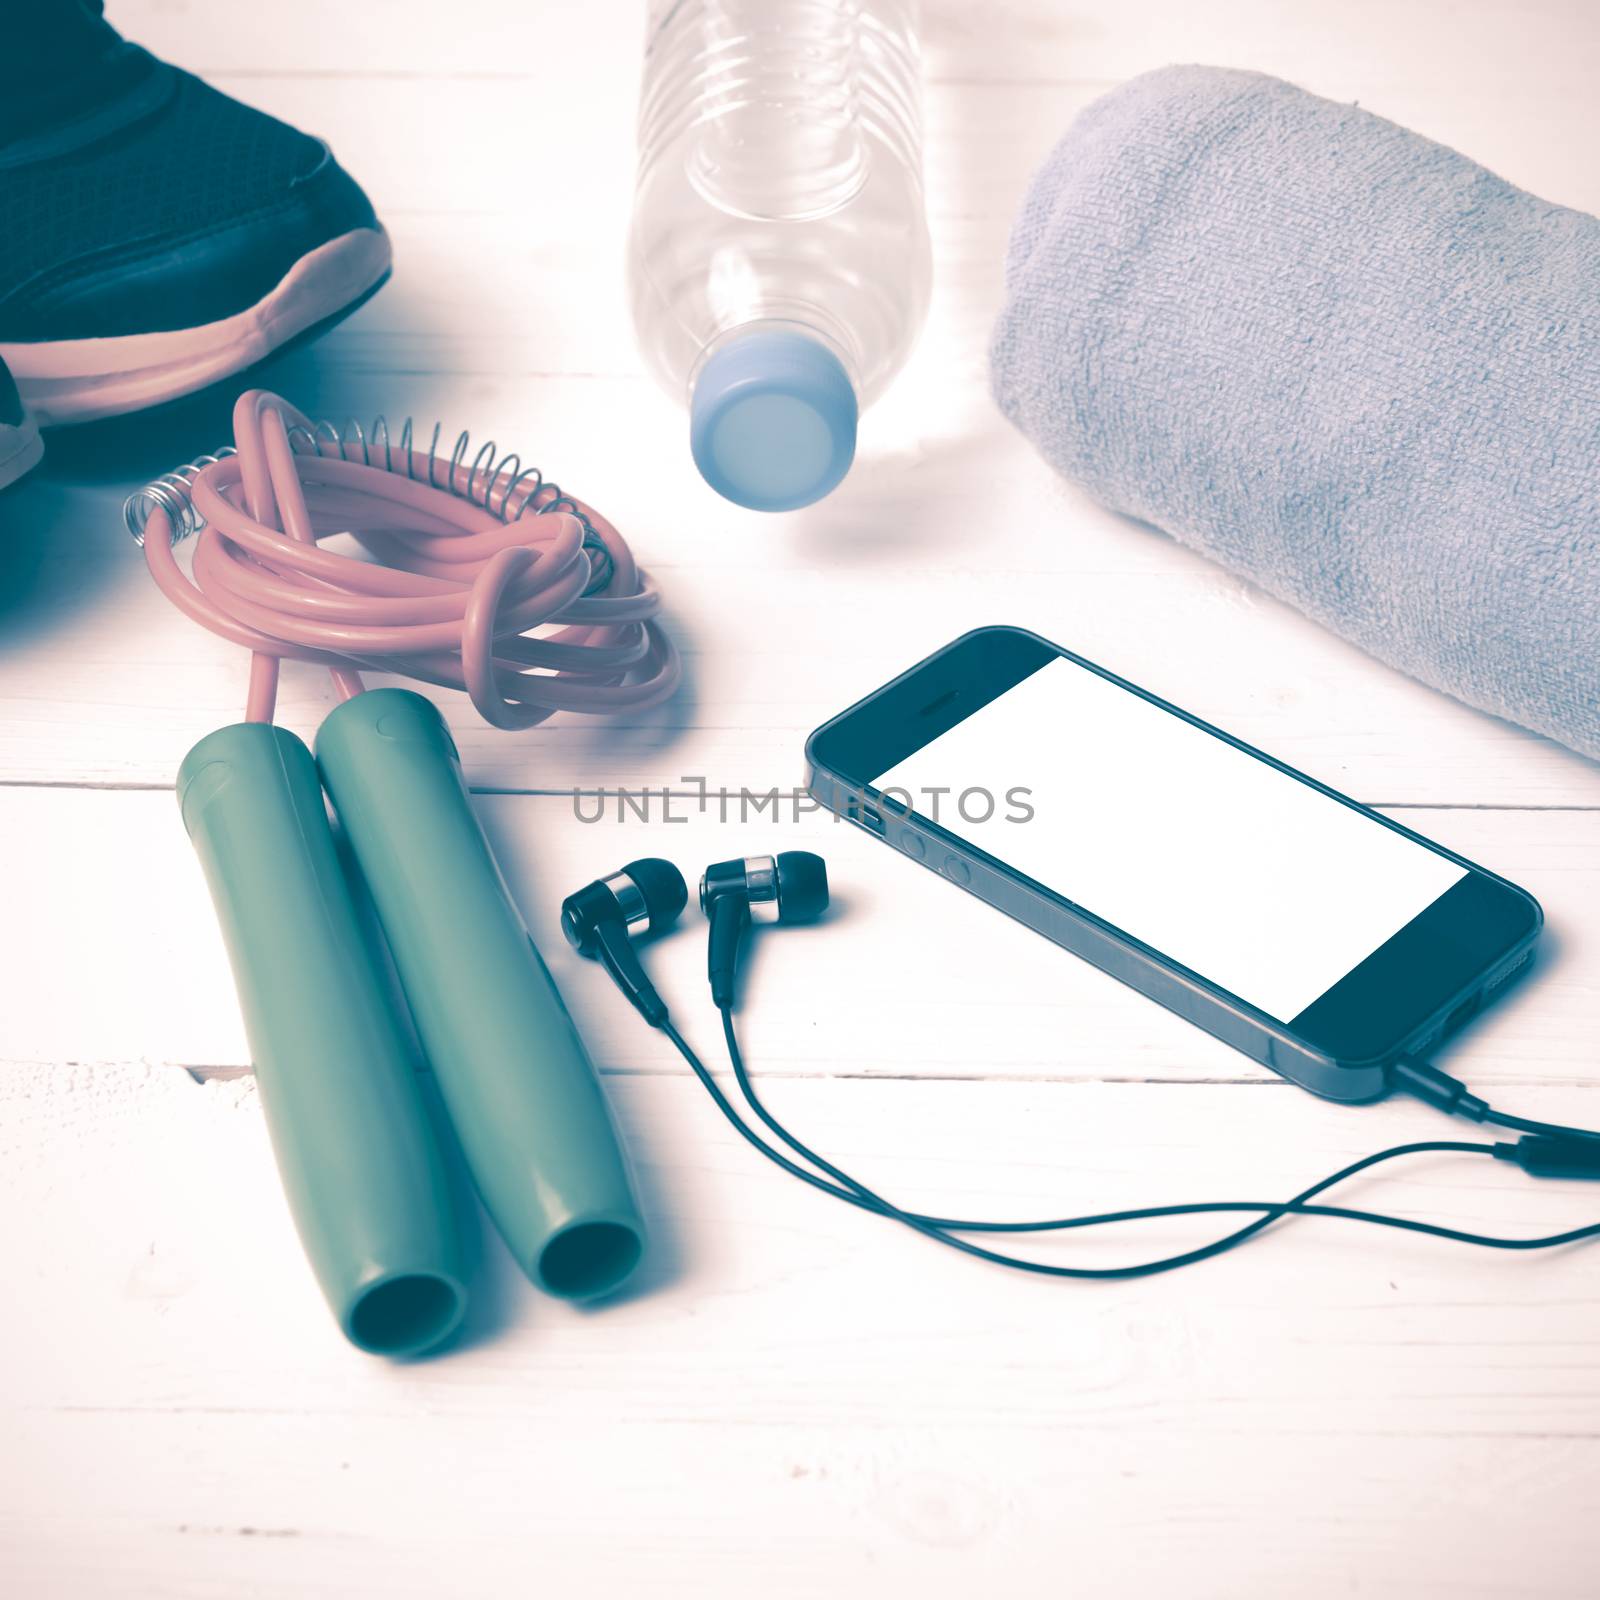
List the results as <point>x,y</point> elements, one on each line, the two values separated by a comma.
<point>1345,361</point>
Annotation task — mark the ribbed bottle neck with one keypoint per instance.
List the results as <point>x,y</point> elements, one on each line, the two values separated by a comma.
<point>780,101</point>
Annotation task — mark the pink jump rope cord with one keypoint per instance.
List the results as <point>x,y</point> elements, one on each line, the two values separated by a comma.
<point>470,565</point>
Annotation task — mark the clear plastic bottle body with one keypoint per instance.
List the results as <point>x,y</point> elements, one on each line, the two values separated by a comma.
<point>780,183</point>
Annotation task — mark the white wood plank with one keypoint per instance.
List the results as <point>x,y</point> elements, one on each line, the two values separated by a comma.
<point>1511,84</point>
<point>943,525</point>
<point>798,1400</point>
<point>120,961</point>
<point>214,1507</point>
<point>844,1406</point>
<point>111,689</point>
<point>495,297</point>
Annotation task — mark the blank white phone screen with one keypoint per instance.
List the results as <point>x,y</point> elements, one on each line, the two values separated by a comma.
<point>1258,882</point>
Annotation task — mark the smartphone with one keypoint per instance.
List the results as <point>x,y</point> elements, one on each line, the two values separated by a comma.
<point>1320,938</point>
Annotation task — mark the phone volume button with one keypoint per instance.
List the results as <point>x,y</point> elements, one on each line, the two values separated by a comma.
<point>957,871</point>
<point>912,843</point>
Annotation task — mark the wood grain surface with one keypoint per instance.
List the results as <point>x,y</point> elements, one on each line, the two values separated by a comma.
<point>795,1399</point>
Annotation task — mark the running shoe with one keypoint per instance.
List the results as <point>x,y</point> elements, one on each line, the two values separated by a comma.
<point>157,236</point>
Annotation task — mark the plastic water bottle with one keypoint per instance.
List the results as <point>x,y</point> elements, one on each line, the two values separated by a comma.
<point>779,264</point>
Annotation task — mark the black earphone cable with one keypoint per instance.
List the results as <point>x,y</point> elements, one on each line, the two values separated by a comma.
<point>1532,1126</point>
<point>944,1229</point>
<point>597,920</point>
<point>1437,1088</point>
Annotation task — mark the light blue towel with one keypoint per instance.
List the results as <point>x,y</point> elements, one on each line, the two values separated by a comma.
<point>1345,361</point>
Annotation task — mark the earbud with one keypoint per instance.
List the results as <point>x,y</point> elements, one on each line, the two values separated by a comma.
<point>794,883</point>
<point>597,921</point>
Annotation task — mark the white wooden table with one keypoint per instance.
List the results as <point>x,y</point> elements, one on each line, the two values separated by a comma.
<point>796,1399</point>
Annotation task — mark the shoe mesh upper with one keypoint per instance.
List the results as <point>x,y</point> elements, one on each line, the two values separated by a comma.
<point>198,163</point>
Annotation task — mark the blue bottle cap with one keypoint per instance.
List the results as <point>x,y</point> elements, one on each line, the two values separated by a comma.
<point>772,423</point>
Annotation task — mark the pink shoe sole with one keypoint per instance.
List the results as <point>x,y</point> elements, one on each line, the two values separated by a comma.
<point>78,380</point>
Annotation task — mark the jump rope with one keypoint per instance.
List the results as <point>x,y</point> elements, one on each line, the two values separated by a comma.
<point>472,573</point>
<point>471,556</point>
<point>478,574</point>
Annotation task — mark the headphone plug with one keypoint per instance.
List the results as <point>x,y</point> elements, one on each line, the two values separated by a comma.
<point>1543,1155</point>
<point>1438,1089</point>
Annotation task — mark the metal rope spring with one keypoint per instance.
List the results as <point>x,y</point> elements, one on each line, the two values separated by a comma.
<point>498,483</point>
<point>464,581</point>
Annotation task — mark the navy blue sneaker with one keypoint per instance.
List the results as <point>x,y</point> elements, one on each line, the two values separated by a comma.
<point>157,236</point>
<point>20,446</point>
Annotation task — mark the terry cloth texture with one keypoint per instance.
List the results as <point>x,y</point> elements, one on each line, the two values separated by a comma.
<point>1345,361</point>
